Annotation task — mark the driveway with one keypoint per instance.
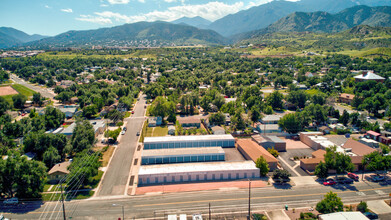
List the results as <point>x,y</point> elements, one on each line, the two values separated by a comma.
<point>117,174</point>
<point>379,207</point>
<point>294,166</point>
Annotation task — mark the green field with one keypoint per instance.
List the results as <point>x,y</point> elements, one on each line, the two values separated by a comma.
<point>23,90</point>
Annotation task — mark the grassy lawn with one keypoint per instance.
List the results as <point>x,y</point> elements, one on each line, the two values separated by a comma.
<point>127,114</point>
<point>149,131</point>
<point>144,131</point>
<point>107,155</point>
<point>23,90</point>
<point>46,187</point>
<point>160,131</point>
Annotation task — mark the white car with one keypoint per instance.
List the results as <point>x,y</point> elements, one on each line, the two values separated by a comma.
<point>122,132</point>
<point>11,201</point>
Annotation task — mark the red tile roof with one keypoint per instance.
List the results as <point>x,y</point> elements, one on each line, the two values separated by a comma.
<point>358,148</point>
<point>254,150</point>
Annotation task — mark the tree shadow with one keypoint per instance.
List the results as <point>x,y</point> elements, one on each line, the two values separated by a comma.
<point>21,208</point>
<point>283,185</point>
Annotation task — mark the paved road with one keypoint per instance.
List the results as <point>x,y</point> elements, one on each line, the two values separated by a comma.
<point>147,206</point>
<point>117,174</point>
<point>44,92</point>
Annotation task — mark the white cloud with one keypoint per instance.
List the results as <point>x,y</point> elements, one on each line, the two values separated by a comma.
<point>92,19</point>
<point>170,1</point>
<point>116,2</point>
<point>67,10</point>
<point>104,5</point>
<point>47,6</point>
<point>211,11</point>
<point>141,1</point>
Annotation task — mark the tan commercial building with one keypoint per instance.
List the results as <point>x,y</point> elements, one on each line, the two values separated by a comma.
<point>252,151</point>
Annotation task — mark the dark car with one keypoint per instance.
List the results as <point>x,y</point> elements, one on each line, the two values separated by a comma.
<point>371,215</point>
<point>329,182</point>
<point>138,133</point>
<point>377,178</point>
<point>353,176</point>
<point>344,180</point>
<point>124,129</point>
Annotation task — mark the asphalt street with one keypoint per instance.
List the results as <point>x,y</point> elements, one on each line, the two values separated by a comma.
<point>44,91</point>
<point>158,205</point>
<point>117,173</point>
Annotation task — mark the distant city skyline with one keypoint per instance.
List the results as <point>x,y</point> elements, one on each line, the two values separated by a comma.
<point>49,17</point>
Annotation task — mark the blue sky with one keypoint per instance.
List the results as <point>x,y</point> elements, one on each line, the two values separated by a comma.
<point>52,17</point>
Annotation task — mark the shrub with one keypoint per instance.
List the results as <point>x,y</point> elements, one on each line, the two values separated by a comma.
<point>273,152</point>
<point>120,124</point>
<point>301,215</point>
<point>362,207</point>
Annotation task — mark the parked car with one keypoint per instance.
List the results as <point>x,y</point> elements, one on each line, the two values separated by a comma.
<point>132,112</point>
<point>124,129</point>
<point>329,182</point>
<point>122,132</point>
<point>138,133</point>
<point>377,178</point>
<point>3,218</point>
<point>344,180</point>
<point>353,176</point>
<point>371,215</point>
<point>11,201</point>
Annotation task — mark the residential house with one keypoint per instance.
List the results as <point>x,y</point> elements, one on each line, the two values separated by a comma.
<point>271,119</point>
<point>189,121</point>
<point>269,129</point>
<point>332,120</point>
<point>324,129</point>
<point>368,76</point>
<point>68,131</point>
<point>373,135</point>
<point>68,110</point>
<point>58,172</point>
<point>99,126</point>
<point>346,98</point>
<point>154,121</point>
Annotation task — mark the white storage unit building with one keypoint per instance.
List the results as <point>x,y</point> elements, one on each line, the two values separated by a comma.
<point>182,155</point>
<point>189,141</point>
<point>189,172</point>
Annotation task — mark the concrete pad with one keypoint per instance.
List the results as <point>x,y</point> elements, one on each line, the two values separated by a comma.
<point>277,215</point>
<point>379,207</point>
<point>304,180</point>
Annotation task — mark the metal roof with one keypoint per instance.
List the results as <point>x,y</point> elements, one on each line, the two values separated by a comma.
<point>196,167</point>
<point>183,151</point>
<point>189,138</point>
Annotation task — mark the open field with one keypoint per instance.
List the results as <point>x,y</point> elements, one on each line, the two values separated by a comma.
<point>7,90</point>
<point>23,90</point>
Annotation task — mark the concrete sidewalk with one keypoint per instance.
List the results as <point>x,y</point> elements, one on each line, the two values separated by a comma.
<point>199,187</point>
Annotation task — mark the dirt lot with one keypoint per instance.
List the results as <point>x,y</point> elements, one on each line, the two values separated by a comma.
<point>7,90</point>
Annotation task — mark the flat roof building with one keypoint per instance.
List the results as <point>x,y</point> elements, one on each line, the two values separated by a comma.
<point>182,155</point>
<point>270,142</point>
<point>190,141</point>
<point>252,151</point>
<point>343,216</point>
<point>189,172</point>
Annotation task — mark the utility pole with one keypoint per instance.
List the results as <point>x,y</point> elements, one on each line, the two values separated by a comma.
<point>123,213</point>
<point>249,200</point>
<point>210,218</point>
<point>63,206</point>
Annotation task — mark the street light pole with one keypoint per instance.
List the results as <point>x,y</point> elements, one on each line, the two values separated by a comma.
<point>123,211</point>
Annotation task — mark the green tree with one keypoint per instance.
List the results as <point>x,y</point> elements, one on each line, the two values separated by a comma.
<point>321,170</point>
<point>53,118</point>
<point>362,207</point>
<point>84,167</point>
<point>4,105</point>
<point>37,99</point>
<point>113,133</point>
<point>19,101</point>
<point>21,177</point>
<point>255,114</point>
<point>338,161</point>
<point>331,203</point>
<point>83,136</point>
<point>344,119</point>
<point>263,166</point>
<point>238,121</point>
<point>281,175</point>
<point>115,116</point>
<point>51,157</point>
<point>298,98</point>
<point>217,118</point>
<point>291,123</point>
<point>90,110</point>
<point>275,100</point>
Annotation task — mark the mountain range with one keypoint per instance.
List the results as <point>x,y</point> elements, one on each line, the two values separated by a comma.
<point>12,37</point>
<point>276,16</point>
<point>323,22</point>
<point>147,34</point>
<point>262,16</point>
<point>198,22</point>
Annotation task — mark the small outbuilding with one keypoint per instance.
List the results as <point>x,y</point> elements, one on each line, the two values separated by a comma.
<point>58,172</point>
<point>270,142</point>
<point>171,130</point>
<point>217,130</point>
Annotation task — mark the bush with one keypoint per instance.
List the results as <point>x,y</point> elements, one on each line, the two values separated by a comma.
<point>119,124</point>
<point>257,216</point>
<point>362,207</point>
<point>273,152</point>
<point>301,215</point>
